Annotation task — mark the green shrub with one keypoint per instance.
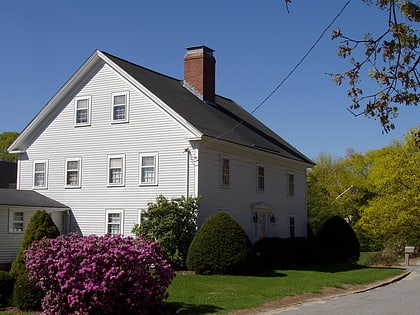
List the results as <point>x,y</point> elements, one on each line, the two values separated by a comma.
<point>6,288</point>
<point>277,253</point>
<point>338,242</point>
<point>220,246</point>
<point>26,295</point>
<point>40,225</point>
<point>173,224</point>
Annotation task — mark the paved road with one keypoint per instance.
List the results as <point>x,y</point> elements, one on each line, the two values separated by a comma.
<point>401,298</point>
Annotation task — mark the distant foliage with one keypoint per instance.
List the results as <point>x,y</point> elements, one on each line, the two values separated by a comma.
<point>99,274</point>
<point>6,139</point>
<point>338,242</point>
<point>221,246</point>
<point>173,223</point>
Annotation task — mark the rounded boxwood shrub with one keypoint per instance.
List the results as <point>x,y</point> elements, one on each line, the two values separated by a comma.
<point>220,246</point>
<point>99,274</point>
<point>338,242</point>
<point>6,288</point>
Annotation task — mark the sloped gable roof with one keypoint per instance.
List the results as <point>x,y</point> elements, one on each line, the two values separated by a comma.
<point>28,198</point>
<point>224,119</point>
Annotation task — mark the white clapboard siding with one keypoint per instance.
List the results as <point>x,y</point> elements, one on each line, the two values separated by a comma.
<point>149,130</point>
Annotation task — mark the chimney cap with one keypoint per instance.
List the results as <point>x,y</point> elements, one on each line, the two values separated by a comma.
<point>199,49</point>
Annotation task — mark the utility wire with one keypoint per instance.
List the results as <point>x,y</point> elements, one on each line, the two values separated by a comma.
<point>288,75</point>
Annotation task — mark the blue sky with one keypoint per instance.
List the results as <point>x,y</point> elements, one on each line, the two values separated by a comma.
<point>256,43</point>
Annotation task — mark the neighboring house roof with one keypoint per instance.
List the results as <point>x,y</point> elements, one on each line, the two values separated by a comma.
<point>28,198</point>
<point>8,174</point>
<point>223,119</point>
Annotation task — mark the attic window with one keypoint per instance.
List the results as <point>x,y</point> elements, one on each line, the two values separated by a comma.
<point>120,107</point>
<point>82,111</point>
<point>40,171</point>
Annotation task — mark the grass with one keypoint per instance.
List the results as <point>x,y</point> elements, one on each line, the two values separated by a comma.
<point>197,294</point>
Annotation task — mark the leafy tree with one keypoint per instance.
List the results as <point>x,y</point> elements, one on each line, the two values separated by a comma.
<point>391,59</point>
<point>394,176</point>
<point>173,223</point>
<point>220,246</point>
<point>6,139</point>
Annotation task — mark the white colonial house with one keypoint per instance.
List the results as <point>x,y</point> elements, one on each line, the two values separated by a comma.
<point>118,135</point>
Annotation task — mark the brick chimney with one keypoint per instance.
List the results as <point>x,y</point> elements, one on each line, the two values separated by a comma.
<point>200,72</point>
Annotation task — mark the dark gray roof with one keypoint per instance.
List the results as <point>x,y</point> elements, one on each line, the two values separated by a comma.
<point>29,198</point>
<point>213,120</point>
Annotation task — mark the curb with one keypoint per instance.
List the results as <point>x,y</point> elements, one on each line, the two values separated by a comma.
<point>383,283</point>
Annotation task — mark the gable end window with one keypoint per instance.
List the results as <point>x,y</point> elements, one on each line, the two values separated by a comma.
<point>114,222</point>
<point>16,221</point>
<point>260,177</point>
<point>40,174</point>
<point>120,102</point>
<point>290,184</point>
<point>116,170</point>
<point>82,111</point>
<point>73,173</point>
<point>148,168</point>
<point>224,171</point>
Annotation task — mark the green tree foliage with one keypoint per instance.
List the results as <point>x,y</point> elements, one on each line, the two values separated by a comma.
<point>376,192</point>
<point>6,139</point>
<point>338,242</point>
<point>220,246</point>
<point>173,223</point>
<point>394,178</point>
<point>40,225</point>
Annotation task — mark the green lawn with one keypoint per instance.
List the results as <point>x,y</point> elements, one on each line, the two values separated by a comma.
<point>195,294</point>
<point>199,295</point>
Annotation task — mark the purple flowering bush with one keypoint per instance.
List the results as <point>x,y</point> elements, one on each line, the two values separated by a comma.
<point>99,274</point>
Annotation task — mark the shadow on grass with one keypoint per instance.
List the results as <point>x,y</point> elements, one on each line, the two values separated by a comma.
<point>189,309</point>
<point>332,268</point>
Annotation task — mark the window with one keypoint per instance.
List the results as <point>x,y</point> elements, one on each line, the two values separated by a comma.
<point>148,169</point>
<point>82,111</point>
<point>16,221</point>
<point>116,170</point>
<point>292,226</point>
<point>114,222</point>
<point>120,107</point>
<point>224,171</point>
<point>291,184</point>
<point>73,173</point>
<point>260,177</point>
<point>40,174</point>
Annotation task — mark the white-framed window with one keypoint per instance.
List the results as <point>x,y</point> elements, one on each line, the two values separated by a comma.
<point>114,222</point>
<point>148,168</point>
<point>73,172</point>
<point>224,171</point>
<point>290,184</point>
<point>292,226</point>
<point>16,221</point>
<point>40,174</point>
<point>116,170</point>
<point>120,107</point>
<point>260,177</point>
<point>82,111</point>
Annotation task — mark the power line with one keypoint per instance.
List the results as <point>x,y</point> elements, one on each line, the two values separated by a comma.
<point>288,75</point>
